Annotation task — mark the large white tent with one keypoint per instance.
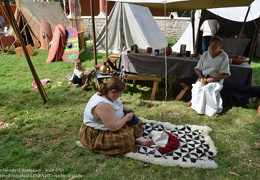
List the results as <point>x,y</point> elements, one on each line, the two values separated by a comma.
<point>130,24</point>
<point>229,17</point>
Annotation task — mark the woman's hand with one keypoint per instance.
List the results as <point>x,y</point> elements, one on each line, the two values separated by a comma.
<point>210,79</point>
<point>203,80</point>
<point>129,116</point>
<point>207,80</point>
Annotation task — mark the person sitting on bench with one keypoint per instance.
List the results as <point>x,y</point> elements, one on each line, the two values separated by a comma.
<point>212,69</point>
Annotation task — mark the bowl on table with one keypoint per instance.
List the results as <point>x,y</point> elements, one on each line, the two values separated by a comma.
<point>238,60</point>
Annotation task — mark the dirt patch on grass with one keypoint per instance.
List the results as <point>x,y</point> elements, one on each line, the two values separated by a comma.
<point>4,125</point>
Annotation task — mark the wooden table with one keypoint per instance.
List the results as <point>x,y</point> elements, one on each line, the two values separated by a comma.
<point>241,74</point>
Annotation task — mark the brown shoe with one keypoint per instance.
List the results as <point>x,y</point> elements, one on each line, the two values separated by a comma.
<point>187,104</point>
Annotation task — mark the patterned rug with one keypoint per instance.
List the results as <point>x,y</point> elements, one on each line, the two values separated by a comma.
<point>196,147</point>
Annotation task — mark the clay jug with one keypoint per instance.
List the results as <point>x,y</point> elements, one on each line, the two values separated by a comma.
<point>168,50</point>
<point>135,48</point>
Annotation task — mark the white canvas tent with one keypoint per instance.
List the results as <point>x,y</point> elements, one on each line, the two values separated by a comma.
<point>231,20</point>
<point>130,24</point>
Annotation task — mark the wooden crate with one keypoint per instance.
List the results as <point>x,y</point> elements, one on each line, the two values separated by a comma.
<point>19,50</point>
<point>77,23</point>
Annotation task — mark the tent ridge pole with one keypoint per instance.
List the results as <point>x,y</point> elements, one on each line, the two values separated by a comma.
<point>240,33</point>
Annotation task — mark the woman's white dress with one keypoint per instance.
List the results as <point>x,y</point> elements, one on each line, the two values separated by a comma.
<point>206,98</point>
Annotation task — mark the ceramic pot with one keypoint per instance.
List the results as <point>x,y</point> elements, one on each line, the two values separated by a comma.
<point>149,50</point>
<point>187,53</point>
<point>168,50</point>
<point>135,48</point>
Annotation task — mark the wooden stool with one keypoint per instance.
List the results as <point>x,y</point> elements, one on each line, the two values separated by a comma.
<point>155,79</point>
<point>183,91</point>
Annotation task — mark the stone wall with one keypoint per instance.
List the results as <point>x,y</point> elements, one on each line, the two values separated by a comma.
<point>171,28</point>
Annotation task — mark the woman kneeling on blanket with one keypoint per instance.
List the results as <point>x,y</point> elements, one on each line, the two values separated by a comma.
<point>212,69</point>
<point>107,127</point>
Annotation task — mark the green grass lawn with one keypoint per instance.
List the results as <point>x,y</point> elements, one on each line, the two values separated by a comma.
<point>40,141</point>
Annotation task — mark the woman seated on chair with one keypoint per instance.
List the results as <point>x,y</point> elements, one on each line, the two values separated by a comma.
<point>108,126</point>
<point>212,69</point>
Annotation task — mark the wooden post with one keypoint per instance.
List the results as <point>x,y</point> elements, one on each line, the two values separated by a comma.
<point>254,41</point>
<point>240,33</point>
<point>93,31</point>
<point>106,33</point>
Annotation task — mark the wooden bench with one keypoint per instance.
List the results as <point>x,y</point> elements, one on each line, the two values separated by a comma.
<point>155,79</point>
<point>185,87</point>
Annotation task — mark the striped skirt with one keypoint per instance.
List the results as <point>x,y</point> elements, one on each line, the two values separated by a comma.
<point>111,143</point>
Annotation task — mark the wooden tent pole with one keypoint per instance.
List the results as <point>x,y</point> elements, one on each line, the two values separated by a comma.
<point>9,14</point>
<point>93,31</point>
<point>106,32</point>
<point>193,31</point>
<point>240,33</point>
<point>64,7</point>
<point>254,41</point>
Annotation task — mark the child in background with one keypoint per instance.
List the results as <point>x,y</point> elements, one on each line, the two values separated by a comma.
<point>2,23</point>
<point>78,74</point>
